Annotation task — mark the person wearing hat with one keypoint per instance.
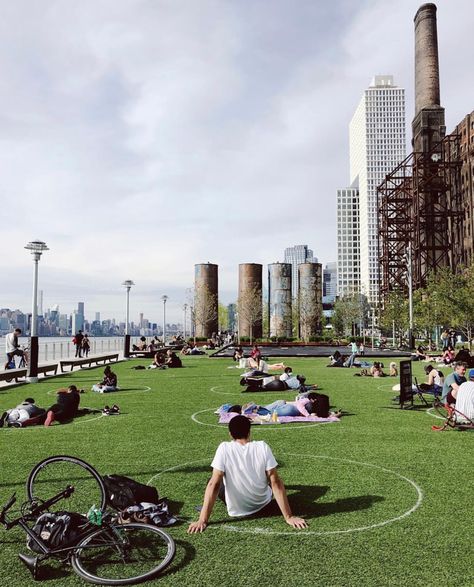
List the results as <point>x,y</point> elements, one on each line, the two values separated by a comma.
<point>464,396</point>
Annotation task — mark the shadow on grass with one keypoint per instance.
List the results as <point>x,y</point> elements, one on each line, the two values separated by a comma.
<point>185,553</point>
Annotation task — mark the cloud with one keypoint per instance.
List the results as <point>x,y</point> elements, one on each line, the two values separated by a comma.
<point>142,137</point>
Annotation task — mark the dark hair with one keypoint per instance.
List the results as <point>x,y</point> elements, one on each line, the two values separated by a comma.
<point>312,396</point>
<point>288,370</point>
<point>29,400</point>
<point>235,408</point>
<point>17,330</point>
<point>239,427</point>
<point>72,388</point>
<point>428,369</point>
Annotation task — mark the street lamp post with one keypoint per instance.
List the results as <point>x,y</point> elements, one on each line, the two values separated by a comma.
<point>185,308</point>
<point>164,298</point>
<point>36,248</point>
<point>410,296</point>
<point>126,348</point>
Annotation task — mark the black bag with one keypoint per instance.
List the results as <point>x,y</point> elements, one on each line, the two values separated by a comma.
<point>123,492</point>
<point>322,405</point>
<point>57,530</point>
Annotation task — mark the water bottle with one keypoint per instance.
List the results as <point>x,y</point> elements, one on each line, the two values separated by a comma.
<point>94,515</point>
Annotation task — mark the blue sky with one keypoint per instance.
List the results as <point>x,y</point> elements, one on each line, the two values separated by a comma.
<point>141,137</point>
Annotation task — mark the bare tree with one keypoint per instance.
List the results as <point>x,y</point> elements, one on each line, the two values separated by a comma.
<point>310,313</point>
<point>205,311</point>
<point>249,306</point>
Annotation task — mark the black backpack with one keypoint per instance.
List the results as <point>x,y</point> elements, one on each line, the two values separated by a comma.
<point>322,405</point>
<point>123,492</point>
<point>57,530</point>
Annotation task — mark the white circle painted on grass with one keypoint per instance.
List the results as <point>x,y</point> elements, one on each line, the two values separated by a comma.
<point>216,387</point>
<point>266,531</point>
<point>259,426</point>
<point>429,411</point>
<point>96,417</point>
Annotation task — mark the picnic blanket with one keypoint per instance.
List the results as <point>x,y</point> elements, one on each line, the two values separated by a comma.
<point>226,417</point>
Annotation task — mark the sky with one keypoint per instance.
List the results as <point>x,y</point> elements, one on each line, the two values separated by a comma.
<point>140,137</point>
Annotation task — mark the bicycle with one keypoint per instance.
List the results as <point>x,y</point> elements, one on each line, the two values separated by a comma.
<point>111,553</point>
<point>452,417</point>
<point>22,363</point>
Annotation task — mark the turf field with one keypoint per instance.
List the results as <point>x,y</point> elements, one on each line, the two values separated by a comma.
<point>388,501</point>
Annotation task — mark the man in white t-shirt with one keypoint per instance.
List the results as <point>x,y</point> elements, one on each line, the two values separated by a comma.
<point>465,398</point>
<point>12,346</point>
<point>247,470</point>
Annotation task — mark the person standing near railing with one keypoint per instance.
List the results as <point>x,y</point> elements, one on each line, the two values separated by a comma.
<point>86,345</point>
<point>77,341</point>
<point>12,346</point>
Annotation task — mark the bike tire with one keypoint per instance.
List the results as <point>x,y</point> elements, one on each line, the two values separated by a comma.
<point>54,474</point>
<point>124,554</point>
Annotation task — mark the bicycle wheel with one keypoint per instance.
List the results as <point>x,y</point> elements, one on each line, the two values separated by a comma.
<point>54,474</point>
<point>123,554</point>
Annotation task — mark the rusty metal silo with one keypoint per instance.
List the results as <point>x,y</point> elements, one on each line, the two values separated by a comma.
<point>310,301</point>
<point>250,300</point>
<point>279,290</point>
<point>205,299</point>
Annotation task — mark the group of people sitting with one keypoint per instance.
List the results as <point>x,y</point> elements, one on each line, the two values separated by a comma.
<point>29,414</point>
<point>168,360</point>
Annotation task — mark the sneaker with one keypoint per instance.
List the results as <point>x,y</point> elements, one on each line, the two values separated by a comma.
<point>106,410</point>
<point>115,409</point>
<point>3,417</point>
<point>49,418</point>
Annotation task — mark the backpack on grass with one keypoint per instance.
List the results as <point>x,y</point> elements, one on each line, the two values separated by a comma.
<point>57,530</point>
<point>123,492</point>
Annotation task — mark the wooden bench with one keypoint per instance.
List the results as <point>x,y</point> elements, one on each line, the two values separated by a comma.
<point>87,361</point>
<point>50,367</point>
<point>10,374</point>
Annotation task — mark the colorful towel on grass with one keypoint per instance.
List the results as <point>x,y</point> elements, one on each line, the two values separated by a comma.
<point>226,417</point>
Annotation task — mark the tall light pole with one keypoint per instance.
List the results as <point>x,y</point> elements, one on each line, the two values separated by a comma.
<point>164,298</point>
<point>185,308</point>
<point>36,248</point>
<point>410,296</point>
<point>126,349</point>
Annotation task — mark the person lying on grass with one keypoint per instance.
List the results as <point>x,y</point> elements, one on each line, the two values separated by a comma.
<point>109,383</point>
<point>261,369</point>
<point>244,475</point>
<point>277,383</point>
<point>21,414</point>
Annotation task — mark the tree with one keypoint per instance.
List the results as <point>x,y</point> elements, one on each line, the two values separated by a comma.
<point>310,314</point>
<point>205,311</point>
<point>395,314</point>
<point>249,307</point>
<point>223,317</point>
<point>349,310</point>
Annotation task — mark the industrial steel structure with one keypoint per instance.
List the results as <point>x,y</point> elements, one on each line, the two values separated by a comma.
<point>249,302</point>
<point>310,303</point>
<point>279,301</point>
<point>420,201</point>
<point>205,315</point>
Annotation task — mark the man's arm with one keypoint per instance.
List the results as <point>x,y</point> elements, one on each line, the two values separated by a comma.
<point>279,492</point>
<point>210,497</point>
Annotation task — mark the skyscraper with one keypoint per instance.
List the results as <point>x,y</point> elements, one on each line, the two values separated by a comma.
<point>348,241</point>
<point>330,281</point>
<point>296,255</point>
<point>377,145</point>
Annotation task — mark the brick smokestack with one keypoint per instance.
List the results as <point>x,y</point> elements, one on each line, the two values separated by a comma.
<point>427,93</point>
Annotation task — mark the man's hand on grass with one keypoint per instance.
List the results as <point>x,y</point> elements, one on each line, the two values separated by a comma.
<point>297,523</point>
<point>196,527</point>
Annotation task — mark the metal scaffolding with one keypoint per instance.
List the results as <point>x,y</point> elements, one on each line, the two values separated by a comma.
<point>420,202</point>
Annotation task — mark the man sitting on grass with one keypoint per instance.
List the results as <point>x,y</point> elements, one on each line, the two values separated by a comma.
<point>245,477</point>
<point>452,383</point>
<point>109,383</point>
<point>465,398</point>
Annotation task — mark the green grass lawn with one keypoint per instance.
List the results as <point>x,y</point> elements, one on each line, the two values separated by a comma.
<point>387,500</point>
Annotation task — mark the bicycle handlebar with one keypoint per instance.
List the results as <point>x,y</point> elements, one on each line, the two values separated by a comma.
<point>35,510</point>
